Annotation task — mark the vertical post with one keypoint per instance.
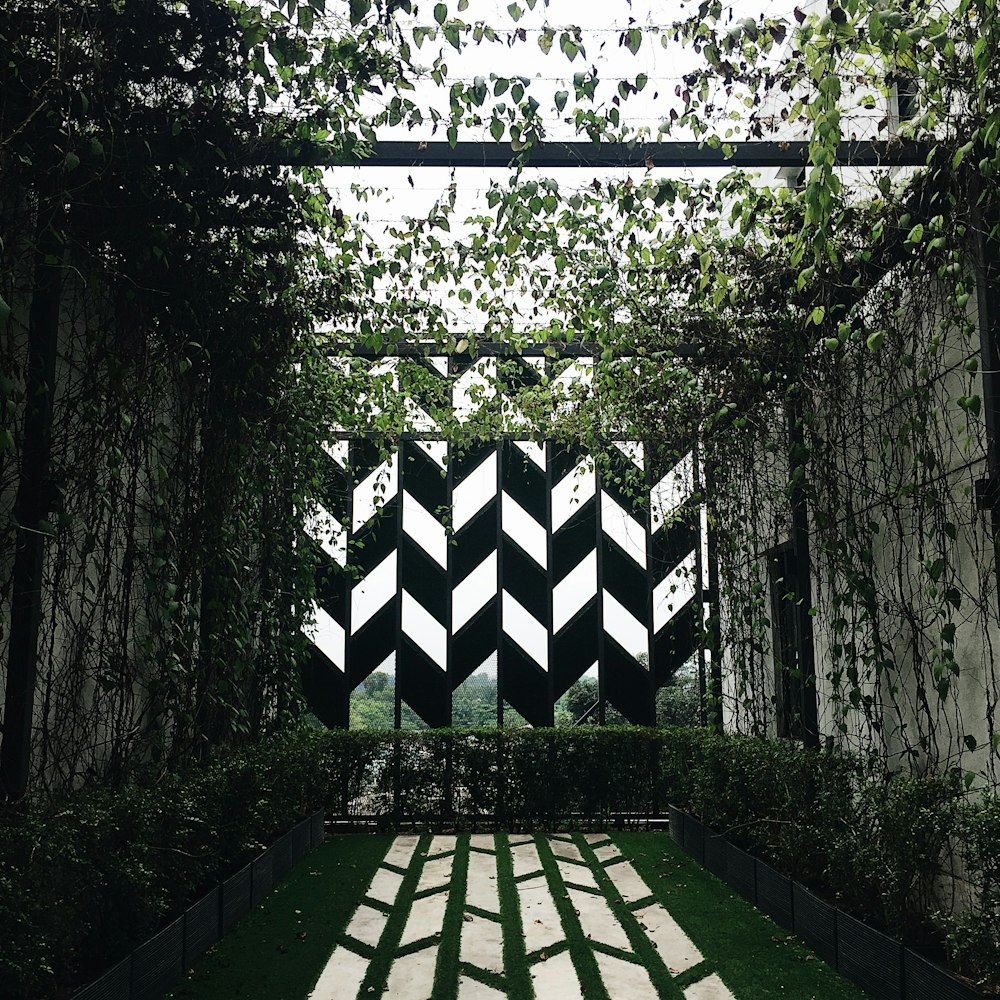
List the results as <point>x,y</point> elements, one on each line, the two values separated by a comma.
<point>550,583</point>
<point>401,464</point>
<point>501,446</point>
<point>699,586</point>
<point>33,500</point>
<point>986,261</point>
<point>348,582</point>
<point>649,479</point>
<point>803,575</point>
<point>711,597</point>
<point>601,656</point>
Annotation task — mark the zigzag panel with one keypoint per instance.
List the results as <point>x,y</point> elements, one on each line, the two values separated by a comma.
<point>524,653</point>
<point>474,555</point>
<point>545,564</point>
<point>574,544</point>
<point>422,659</point>
<point>373,548</point>
<point>627,681</point>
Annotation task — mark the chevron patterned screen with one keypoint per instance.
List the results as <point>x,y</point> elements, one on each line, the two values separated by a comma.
<point>517,565</point>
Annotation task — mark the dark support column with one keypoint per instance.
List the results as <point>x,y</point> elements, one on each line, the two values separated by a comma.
<point>602,664</point>
<point>986,260</point>
<point>32,503</point>
<point>550,580</point>
<point>501,458</point>
<point>711,597</point>
<point>699,588</point>
<point>803,575</point>
<point>650,481</point>
<point>400,460</point>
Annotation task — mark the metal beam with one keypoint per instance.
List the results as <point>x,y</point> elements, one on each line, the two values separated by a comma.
<point>561,155</point>
<point>496,349</point>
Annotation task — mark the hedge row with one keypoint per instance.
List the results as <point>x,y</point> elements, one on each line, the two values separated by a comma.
<point>84,880</point>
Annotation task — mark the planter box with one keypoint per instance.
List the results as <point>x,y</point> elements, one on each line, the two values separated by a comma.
<point>236,898</point>
<point>815,923</point>
<point>159,963</point>
<point>715,854</point>
<point>202,926</point>
<point>774,894</point>
<point>281,856</point>
<point>741,872</point>
<point>694,839</point>
<point>115,984</point>
<point>318,827</point>
<point>869,959</point>
<point>301,837</point>
<point>263,876</point>
<point>927,981</point>
<point>676,824</point>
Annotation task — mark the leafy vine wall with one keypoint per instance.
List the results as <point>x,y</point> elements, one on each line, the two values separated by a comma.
<point>200,293</point>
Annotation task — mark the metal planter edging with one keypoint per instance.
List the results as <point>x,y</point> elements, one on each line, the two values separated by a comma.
<point>926,981</point>
<point>694,838</point>
<point>202,926</point>
<point>741,872</point>
<point>263,876</point>
<point>281,854</point>
<point>715,853</point>
<point>774,894</point>
<point>159,963</point>
<point>236,896</point>
<point>301,838</point>
<point>870,959</point>
<point>318,827</point>
<point>115,984</point>
<point>676,824</point>
<point>815,922</point>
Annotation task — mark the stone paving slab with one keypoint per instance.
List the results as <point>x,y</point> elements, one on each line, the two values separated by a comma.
<point>569,881</point>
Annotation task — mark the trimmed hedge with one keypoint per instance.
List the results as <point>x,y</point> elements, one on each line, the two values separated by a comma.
<point>84,880</point>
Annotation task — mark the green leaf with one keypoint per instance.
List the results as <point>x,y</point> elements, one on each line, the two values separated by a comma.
<point>561,98</point>
<point>72,161</point>
<point>359,8</point>
<point>496,129</point>
<point>875,341</point>
<point>569,47</point>
<point>817,315</point>
<point>634,40</point>
<point>440,13</point>
<point>916,234</point>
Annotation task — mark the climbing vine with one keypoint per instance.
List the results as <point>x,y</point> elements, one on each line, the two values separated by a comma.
<point>205,291</point>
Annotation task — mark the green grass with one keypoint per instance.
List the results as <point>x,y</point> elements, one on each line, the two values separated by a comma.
<point>280,949</point>
<point>757,959</point>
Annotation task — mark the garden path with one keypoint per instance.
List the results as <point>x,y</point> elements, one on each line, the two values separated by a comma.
<point>558,911</point>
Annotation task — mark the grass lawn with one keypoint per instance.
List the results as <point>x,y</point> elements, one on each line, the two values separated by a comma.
<point>755,957</point>
<point>565,926</point>
<point>279,950</point>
